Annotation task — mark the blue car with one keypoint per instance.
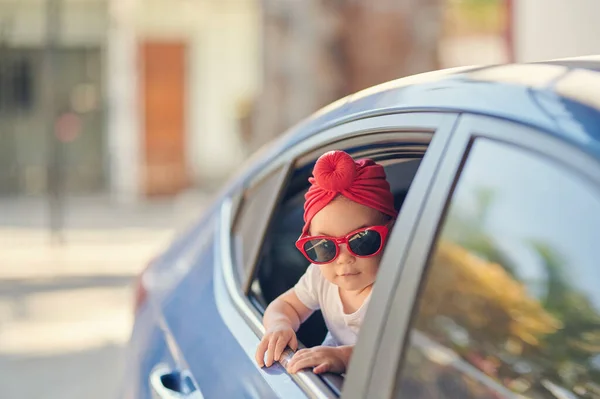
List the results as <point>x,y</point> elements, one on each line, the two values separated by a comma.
<point>489,284</point>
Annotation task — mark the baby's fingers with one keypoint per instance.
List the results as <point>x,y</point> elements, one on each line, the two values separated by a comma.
<point>260,351</point>
<point>322,368</point>
<point>271,351</point>
<point>303,361</point>
<point>279,347</point>
<point>297,356</point>
<point>293,342</point>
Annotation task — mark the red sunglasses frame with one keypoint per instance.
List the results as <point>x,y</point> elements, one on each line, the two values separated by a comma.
<point>382,230</point>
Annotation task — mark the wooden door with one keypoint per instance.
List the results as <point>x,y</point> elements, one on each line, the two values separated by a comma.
<point>164,78</point>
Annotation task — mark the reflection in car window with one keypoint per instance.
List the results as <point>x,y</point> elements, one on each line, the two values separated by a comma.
<point>510,306</point>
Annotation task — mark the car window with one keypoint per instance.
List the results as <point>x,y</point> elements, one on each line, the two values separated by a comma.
<point>280,265</point>
<point>252,218</point>
<point>510,302</point>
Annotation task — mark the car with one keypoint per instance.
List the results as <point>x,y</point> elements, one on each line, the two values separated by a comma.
<point>488,287</point>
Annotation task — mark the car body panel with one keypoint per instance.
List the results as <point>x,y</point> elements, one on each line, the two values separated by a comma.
<point>146,350</point>
<point>219,350</point>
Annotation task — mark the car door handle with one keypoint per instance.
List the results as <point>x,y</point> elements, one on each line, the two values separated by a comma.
<point>167,383</point>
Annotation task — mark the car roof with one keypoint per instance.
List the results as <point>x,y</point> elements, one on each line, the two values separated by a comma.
<point>560,97</point>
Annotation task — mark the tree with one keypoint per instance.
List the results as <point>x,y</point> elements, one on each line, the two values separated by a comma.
<point>578,342</point>
<point>482,298</point>
<point>469,230</point>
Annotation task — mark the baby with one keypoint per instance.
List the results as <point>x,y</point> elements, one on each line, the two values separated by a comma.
<point>348,211</point>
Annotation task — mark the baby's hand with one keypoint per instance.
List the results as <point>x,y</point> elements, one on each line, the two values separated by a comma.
<point>274,342</point>
<point>322,359</point>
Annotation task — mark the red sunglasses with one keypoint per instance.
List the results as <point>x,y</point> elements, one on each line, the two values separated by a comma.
<point>362,243</point>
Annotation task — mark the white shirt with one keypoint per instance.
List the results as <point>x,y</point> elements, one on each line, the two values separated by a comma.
<point>315,292</point>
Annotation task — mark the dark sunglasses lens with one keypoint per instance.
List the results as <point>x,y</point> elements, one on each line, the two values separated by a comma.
<point>320,250</point>
<point>365,243</point>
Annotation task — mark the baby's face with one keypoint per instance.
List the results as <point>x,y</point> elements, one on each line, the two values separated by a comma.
<point>337,219</point>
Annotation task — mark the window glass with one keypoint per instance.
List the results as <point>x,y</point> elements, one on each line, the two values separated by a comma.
<point>510,305</point>
<point>253,215</point>
<point>16,82</point>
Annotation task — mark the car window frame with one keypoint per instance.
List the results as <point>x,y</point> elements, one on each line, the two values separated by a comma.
<point>390,354</point>
<point>438,123</point>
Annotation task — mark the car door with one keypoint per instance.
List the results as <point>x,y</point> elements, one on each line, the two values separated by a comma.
<point>250,219</point>
<point>212,316</point>
<point>497,295</point>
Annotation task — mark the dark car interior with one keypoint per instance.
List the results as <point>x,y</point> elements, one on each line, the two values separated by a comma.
<point>280,264</point>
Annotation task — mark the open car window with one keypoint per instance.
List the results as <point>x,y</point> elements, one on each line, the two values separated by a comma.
<point>279,264</point>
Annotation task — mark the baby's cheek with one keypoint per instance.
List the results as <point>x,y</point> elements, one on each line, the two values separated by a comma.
<point>328,272</point>
<point>373,266</point>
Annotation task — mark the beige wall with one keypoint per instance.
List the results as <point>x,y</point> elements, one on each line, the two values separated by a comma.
<point>224,56</point>
<point>122,114</point>
<point>546,29</point>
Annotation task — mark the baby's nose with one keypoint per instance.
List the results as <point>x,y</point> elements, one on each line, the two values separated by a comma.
<point>345,255</point>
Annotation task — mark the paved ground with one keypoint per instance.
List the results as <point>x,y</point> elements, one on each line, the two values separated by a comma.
<point>65,310</point>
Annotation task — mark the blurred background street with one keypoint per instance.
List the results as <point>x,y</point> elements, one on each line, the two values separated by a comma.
<point>119,118</point>
<point>66,310</point>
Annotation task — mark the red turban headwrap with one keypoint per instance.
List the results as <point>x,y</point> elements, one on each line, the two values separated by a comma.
<point>336,173</point>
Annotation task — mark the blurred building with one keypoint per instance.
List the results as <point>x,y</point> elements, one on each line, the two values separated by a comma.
<point>498,31</point>
<point>155,96</point>
<point>546,29</point>
<point>476,32</point>
<point>148,97</point>
<point>179,73</point>
<point>23,126</point>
